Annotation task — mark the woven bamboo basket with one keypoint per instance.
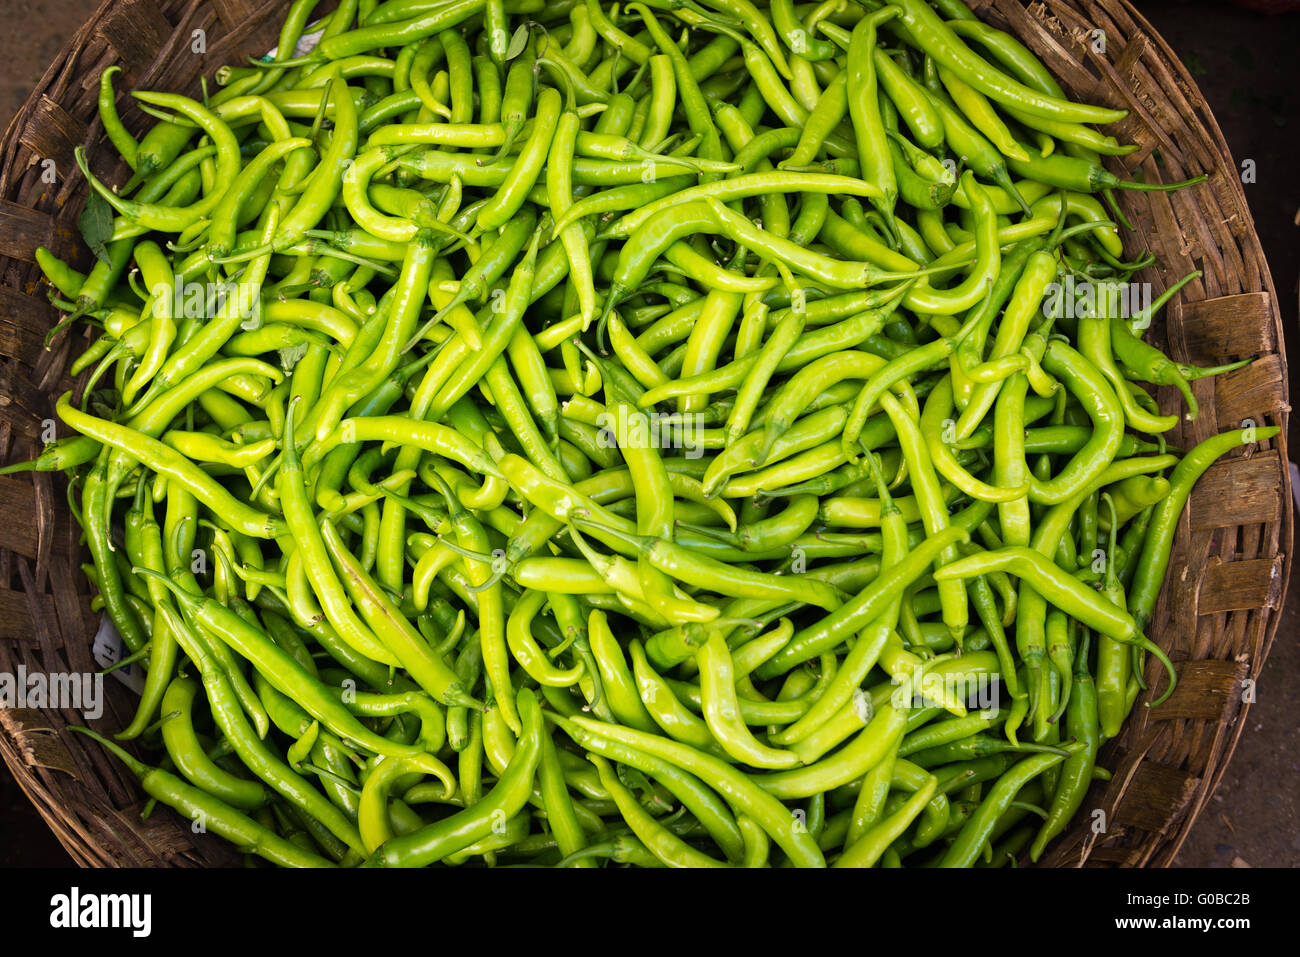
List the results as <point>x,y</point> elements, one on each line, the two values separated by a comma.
<point>1221,602</point>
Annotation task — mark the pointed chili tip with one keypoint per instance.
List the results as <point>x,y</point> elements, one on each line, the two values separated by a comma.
<point>139,768</point>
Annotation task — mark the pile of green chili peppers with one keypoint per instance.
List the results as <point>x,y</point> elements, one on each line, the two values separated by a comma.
<point>567,433</point>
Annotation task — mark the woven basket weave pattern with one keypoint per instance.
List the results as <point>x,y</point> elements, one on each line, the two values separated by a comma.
<point>1216,616</point>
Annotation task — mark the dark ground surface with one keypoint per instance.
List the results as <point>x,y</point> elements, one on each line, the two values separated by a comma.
<point>1248,67</point>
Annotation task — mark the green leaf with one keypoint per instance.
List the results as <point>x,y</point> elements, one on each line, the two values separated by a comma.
<point>517,42</point>
<point>96,225</point>
<point>290,355</point>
